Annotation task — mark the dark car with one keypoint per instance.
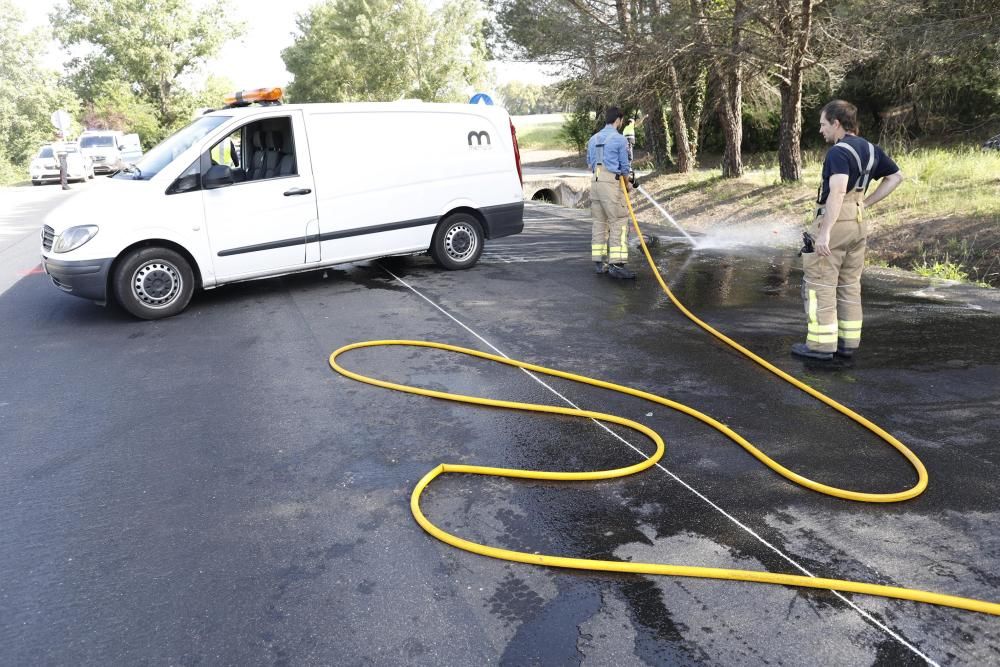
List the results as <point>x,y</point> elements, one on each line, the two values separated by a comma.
<point>993,143</point>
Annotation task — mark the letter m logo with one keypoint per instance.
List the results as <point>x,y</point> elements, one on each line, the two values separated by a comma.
<point>479,136</point>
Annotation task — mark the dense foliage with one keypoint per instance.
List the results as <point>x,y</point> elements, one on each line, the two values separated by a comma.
<point>384,50</point>
<point>745,75</point>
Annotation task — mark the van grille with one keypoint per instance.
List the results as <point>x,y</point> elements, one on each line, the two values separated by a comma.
<point>48,237</point>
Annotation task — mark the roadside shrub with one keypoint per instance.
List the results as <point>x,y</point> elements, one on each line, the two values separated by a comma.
<point>945,269</point>
<point>577,130</point>
<point>11,173</point>
<point>760,132</point>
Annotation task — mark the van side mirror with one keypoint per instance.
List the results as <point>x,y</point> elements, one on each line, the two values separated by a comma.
<point>218,176</point>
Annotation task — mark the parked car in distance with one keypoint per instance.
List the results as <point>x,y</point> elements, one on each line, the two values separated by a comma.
<point>104,147</point>
<point>131,149</point>
<point>44,167</point>
<point>993,142</point>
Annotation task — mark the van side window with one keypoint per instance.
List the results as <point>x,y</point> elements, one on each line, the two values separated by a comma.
<point>260,150</point>
<point>227,154</point>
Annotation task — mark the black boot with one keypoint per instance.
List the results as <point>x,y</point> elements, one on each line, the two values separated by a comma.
<point>600,267</point>
<point>802,350</point>
<point>845,352</point>
<point>619,271</point>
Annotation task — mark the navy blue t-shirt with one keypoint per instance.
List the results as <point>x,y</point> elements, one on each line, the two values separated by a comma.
<point>840,161</point>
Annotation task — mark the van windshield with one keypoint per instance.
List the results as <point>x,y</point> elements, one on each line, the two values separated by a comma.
<point>45,152</point>
<point>166,151</point>
<point>97,141</point>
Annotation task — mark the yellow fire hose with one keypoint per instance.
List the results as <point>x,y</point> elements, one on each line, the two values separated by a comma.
<point>654,568</point>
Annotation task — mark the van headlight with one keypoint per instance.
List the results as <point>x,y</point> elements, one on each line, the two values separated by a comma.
<point>74,237</point>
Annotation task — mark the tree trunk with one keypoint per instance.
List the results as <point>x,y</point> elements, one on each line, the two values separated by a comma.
<point>655,132</point>
<point>732,129</point>
<point>729,83</point>
<point>622,13</point>
<point>731,104</point>
<point>697,108</point>
<point>685,160</point>
<point>790,133</point>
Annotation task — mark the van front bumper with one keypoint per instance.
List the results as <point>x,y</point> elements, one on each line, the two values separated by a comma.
<point>87,279</point>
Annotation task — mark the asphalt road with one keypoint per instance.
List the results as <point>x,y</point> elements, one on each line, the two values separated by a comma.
<point>205,490</point>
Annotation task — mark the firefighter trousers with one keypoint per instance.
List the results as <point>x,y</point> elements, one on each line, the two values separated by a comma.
<point>831,286</point>
<point>609,236</point>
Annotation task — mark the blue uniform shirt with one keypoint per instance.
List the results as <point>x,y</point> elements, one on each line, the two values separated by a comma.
<point>615,151</point>
<point>840,161</point>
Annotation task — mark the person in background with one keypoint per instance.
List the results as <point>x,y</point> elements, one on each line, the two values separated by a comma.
<point>629,133</point>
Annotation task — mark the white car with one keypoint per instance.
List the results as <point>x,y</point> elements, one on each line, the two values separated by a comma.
<point>250,192</point>
<point>45,167</point>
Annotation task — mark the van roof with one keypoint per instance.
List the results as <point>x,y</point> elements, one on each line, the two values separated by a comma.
<point>362,107</point>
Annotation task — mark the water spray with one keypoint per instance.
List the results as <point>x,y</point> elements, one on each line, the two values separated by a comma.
<point>667,215</point>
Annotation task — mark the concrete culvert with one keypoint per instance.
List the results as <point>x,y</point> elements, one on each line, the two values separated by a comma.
<point>546,196</point>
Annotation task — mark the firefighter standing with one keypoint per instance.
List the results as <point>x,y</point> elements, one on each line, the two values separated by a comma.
<point>607,158</point>
<point>63,166</point>
<point>629,134</point>
<point>831,286</point>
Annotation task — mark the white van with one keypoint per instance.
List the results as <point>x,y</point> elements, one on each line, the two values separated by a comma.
<point>259,191</point>
<point>131,148</point>
<point>104,148</point>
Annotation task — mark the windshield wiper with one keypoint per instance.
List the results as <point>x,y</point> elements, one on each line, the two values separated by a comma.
<point>132,169</point>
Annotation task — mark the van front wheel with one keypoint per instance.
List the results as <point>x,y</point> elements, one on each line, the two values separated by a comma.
<point>457,242</point>
<point>152,283</point>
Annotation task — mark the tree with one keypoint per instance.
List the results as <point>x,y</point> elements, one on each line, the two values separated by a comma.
<point>380,50</point>
<point>520,98</point>
<point>28,92</point>
<point>616,53</point>
<point>794,30</point>
<point>943,75</point>
<point>149,45</point>
<point>910,67</point>
<point>117,107</point>
<point>728,79</point>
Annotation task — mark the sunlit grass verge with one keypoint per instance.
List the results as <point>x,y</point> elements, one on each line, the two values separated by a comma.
<point>544,136</point>
<point>944,269</point>
<point>12,174</point>
<point>938,183</point>
<point>941,183</point>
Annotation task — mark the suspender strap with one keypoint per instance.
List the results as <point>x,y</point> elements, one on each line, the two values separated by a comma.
<point>865,173</point>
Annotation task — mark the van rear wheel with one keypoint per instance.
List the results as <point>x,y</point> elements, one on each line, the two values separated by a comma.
<point>458,242</point>
<point>153,283</point>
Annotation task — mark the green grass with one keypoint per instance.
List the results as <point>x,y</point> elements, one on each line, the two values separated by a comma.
<point>945,269</point>
<point>941,183</point>
<point>11,174</point>
<point>945,191</point>
<point>938,183</point>
<point>544,136</point>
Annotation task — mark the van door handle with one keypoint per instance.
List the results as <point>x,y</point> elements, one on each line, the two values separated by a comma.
<point>297,191</point>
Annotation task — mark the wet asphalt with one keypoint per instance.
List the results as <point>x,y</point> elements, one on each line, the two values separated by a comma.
<point>205,490</point>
